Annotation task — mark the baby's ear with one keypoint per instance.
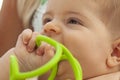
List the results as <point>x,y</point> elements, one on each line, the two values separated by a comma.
<point>114,58</point>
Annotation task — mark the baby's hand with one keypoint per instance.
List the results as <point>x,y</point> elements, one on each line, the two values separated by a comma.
<point>29,56</point>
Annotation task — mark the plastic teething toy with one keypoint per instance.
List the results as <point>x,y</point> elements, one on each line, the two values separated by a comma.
<point>62,53</point>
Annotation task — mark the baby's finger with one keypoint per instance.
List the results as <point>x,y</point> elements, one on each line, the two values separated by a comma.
<point>46,52</point>
<point>26,36</point>
<point>23,38</point>
<point>40,49</point>
<point>49,52</point>
<point>31,45</point>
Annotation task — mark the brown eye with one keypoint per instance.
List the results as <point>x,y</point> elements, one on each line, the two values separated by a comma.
<point>46,20</point>
<point>73,21</point>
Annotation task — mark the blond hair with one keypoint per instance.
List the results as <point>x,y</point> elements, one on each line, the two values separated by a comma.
<point>26,9</point>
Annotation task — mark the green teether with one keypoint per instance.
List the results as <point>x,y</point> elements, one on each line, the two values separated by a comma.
<point>62,53</point>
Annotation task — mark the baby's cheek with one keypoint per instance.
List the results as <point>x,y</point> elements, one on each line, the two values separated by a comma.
<point>65,70</point>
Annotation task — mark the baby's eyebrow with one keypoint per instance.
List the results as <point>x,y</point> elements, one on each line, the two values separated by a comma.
<point>82,15</point>
<point>66,12</point>
<point>72,12</point>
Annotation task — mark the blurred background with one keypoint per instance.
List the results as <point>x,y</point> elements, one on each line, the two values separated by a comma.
<point>1,4</point>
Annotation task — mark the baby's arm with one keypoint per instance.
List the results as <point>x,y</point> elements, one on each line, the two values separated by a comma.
<point>28,55</point>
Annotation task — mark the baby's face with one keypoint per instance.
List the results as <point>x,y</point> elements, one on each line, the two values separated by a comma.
<point>77,25</point>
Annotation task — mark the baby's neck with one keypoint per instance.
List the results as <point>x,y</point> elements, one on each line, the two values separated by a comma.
<point>111,76</point>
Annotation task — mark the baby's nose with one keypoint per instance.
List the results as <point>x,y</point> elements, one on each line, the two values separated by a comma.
<point>51,29</point>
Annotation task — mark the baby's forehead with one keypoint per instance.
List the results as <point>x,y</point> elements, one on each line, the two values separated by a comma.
<point>107,3</point>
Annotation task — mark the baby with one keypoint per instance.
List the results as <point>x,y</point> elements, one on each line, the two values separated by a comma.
<point>88,28</point>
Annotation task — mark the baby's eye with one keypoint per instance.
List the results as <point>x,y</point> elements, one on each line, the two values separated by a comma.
<point>73,21</point>
<point>46,20</point>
